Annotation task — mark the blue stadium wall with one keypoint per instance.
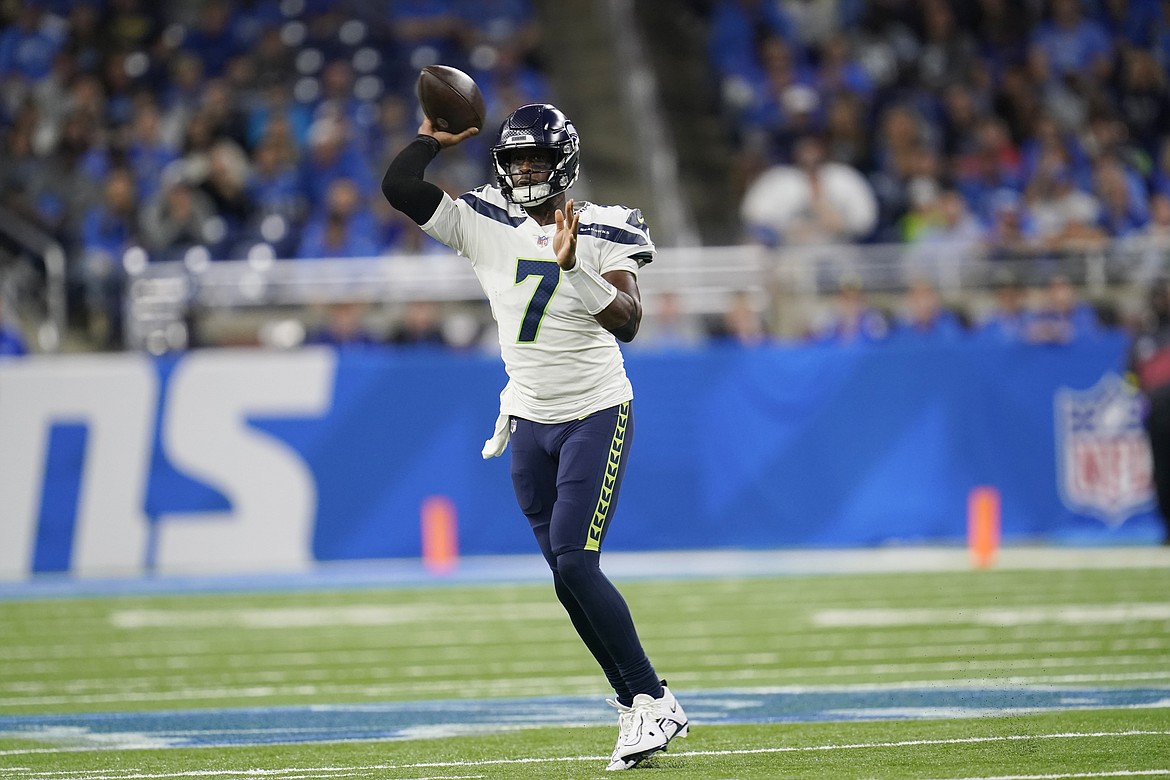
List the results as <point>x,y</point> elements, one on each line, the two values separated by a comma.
<point>242,460</point>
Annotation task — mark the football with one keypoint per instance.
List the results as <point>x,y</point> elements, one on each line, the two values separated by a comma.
<point>450,99</point>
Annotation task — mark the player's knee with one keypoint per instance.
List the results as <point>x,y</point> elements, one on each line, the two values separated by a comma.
<point>577,568</point>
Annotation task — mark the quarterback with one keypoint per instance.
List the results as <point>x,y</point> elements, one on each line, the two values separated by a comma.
<point>561,278</point>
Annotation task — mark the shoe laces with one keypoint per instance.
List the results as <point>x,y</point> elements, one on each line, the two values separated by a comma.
<point>627,716</point>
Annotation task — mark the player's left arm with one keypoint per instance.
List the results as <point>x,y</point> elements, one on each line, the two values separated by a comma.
<point>612,298</point>
<point>624,315</point>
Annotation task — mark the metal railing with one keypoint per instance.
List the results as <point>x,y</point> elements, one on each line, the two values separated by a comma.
<point>41,291</point>
<point>164,297</point>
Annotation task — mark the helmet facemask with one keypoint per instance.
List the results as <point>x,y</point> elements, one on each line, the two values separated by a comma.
<point>535,180</point>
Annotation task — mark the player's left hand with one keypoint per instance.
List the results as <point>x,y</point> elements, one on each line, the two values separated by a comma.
<point>565,239</point>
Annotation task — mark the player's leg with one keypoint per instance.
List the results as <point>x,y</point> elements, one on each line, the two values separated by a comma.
<point>593,458</point>
<point>592,464</point>
<point>534,477</point>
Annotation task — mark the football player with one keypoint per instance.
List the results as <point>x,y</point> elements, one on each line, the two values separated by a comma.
<point>561,278</point>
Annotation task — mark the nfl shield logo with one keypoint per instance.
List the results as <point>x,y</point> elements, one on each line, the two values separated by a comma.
<point>1103,457</point>
<point>542,241</point>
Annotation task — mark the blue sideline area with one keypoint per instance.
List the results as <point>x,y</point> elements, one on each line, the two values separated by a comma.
<point>415,720</point>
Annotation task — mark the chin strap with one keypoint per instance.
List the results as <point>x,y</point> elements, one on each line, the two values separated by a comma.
<point>595,292</point>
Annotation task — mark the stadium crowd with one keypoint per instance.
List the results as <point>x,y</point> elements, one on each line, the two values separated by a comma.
<point>1010,128</point>
<point>136,131</point>
<point>219,129</point>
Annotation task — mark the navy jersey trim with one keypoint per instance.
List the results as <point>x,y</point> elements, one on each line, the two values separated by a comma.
<point>610,233</point>
<point>490,210</point>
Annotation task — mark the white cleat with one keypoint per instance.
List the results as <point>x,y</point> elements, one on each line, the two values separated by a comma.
<point>646,728</point>
<point>671,718</point>
<point>639,735</point>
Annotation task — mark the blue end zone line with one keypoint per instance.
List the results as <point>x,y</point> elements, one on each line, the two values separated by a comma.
<point>415,720</point>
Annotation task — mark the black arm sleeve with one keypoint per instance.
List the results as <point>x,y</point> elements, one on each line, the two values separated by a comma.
<point>403,183</point>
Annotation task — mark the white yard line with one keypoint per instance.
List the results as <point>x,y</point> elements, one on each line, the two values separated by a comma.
<point>1118,773</point>
<point>334,771</point>
<point>1070,614</point>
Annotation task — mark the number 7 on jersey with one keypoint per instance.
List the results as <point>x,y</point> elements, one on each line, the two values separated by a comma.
<point>550,276</point>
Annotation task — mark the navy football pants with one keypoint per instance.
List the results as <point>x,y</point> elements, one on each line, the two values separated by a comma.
<point>567,477</point>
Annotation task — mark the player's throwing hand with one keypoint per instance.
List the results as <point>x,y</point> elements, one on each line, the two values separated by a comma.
<point>565,239</point>
<point>444,138</point>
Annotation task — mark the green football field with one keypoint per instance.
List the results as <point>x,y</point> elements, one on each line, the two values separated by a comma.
<point>1022,671</point>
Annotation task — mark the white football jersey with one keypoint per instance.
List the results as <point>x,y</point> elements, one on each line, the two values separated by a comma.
<point>562,365</point>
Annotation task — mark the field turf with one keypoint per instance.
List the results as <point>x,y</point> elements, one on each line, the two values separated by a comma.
<point>1014,672</point>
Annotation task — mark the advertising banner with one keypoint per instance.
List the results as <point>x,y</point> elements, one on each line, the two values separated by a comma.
<point>248,460</point>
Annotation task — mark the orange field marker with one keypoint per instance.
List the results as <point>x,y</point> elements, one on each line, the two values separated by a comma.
<point>983,525</point>
<point>440,534</point>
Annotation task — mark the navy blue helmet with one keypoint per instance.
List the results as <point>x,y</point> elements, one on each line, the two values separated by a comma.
<point>537,126</point>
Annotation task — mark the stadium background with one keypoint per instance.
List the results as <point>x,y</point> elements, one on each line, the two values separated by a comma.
<point>242,359</point>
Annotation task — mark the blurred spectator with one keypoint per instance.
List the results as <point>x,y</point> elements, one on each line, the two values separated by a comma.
<point>276,116</point>
<point>343,227</point>
<point>1065,217</point>
<point>272,187</point>
<point>740,323</point>
<point>181,96</point>
<point>12,342</point>
<point>131,25</point>
<point>923,318</point>
<point>1144,100</point>
<point>28,47</point>
<point>395,128</point>
<point>949,54</point>
<point>1124,212</point>
<point>735,27</point>
<point>344,325</point>
<point>1062,317</point>
<point>220,107</point>
<point>952,228</point>
<point>902,140</point>
<point>175,218</point>
<point>784,102</point>
<point>812,201</point>
<point>1007,322</point>
<point>847,139</point>
<point>839,72</point>
<point>949,238</point>
<point>421,326</point>
<point>330,157</point>
<point>992,166</point>
<point>428,29</point>
<point>108,231</point>
<point>1011,234</point>
<point>1149,364</point>
<point>961,114</point>
<point>814,23</point>
<point>226,186</point>
<point>667,325</point>
<point>339,101</point>
<point>1051,143</point>
<point>499,25</point>
<point>1070,46</point>
<point>147,152</point>
<point>213,39</point>
<point>853,320</point>
<point>1107,137</point>
<point>1151,245</point>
